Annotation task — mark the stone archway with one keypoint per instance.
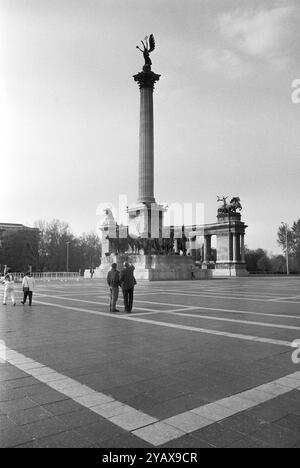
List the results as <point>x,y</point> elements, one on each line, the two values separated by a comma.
<point>230,245</point>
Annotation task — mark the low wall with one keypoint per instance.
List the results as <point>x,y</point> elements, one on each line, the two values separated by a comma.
<point>49,276</point>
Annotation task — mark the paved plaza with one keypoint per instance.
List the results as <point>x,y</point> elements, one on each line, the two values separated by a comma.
<point>197,364</point>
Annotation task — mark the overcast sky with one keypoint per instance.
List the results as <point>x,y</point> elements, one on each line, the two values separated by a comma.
<point>225,123</point>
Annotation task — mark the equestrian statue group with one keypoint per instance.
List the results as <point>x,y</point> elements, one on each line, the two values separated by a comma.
<point>228,208</point>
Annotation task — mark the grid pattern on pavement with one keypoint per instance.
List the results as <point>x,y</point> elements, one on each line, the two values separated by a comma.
<point>187,347</point>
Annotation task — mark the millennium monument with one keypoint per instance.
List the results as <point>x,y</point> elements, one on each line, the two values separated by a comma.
<point>161,252</point>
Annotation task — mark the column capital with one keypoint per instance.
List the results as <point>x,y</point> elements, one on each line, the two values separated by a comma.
<point>146,78</point>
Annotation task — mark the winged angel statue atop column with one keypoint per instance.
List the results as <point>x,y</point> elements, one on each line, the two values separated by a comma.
<point>148,47</point>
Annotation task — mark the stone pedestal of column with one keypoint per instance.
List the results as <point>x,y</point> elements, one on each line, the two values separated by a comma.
<point>146,220</point>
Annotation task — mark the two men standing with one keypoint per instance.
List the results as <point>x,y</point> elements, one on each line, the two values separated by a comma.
<point>127,282</point>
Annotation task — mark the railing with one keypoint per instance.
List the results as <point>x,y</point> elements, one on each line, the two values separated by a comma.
<point>59,275</point>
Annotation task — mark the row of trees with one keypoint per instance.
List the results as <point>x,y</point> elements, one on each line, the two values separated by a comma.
<point>289,240</point>
<point>50,247</point>
<point>259,261</point>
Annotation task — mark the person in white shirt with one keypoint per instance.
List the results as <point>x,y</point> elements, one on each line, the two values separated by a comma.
<point>28,288</point>
<point>9,288</point>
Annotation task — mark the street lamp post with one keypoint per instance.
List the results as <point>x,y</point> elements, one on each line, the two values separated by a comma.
<point>68,244</point>
<point>229,242</point>
<point>286,247</point>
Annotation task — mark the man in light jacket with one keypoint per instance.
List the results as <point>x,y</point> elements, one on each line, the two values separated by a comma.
<point>28,287</point>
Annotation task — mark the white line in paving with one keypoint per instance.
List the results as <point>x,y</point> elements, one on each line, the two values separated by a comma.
<point>284,300</point>
<point>141,424</point>
<point>104,296</point>
<point>180,307</point>
<point>234,296</point>
<point>203,416</point>
<point>218,291</point>
<point>175,293</point>
<point>90,302</point>
<point>106,406</point>
<point>219,296</point>
<point>240,293</point>
<point>106,303</point>
<point>183,306</point>
<point>173,325</point>
<point>186,309</point>
<point>245,312</point>
<point>247,322</point>
<point>286,297</point>
<point>243,291</point>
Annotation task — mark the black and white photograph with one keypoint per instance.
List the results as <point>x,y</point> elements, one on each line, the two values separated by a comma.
<point>149,227</point>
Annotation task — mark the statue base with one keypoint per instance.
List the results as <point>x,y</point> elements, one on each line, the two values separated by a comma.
<point>146,220</point>
<point>155,267</point>
<point>230,269</point>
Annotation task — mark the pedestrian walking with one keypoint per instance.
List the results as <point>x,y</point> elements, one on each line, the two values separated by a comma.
<point>113,281</point>
<point>128,283</point>
<point>9,288</point>
<point>28,287</point>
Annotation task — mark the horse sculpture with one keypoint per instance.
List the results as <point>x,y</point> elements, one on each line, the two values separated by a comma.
<point>235,204</point>
<point>232,207</point>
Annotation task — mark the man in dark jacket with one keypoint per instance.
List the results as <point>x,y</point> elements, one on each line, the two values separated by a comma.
<point>128,282</point>
<point>113,281</point>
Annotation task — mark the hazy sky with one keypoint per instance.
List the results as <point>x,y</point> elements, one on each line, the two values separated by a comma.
<point>225,123</point>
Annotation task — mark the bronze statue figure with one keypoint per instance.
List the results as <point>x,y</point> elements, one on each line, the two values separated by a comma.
<point>223,199</point>
<point>148,47</point>
<point>235,204</point>
<point>232,207</point>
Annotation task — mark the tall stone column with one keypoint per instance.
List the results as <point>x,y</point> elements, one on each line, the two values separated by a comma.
<point>146,80</point>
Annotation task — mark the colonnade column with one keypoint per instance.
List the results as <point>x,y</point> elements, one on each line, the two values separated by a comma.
<point>243,259</point>
<point>236,250</point>
<point>207,248</point>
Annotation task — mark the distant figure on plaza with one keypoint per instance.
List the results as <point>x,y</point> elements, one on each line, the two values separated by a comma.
<point>28,287</point>
<point>128,282</point>
<point>92,272</point>
<point>9,287</point>
<point>113,281</point>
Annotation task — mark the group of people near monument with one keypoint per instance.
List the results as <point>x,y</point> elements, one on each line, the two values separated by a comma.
<point>115,279</point>
<point>28,286</point>
<point>124,279</point>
